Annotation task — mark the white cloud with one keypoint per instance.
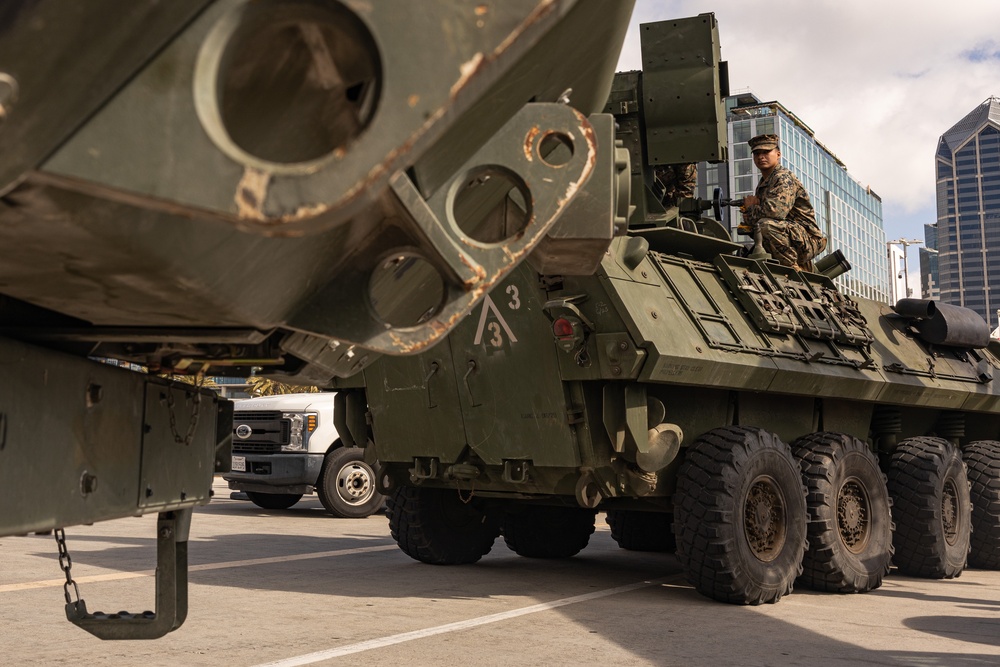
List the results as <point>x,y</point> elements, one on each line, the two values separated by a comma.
<point>878,82</point>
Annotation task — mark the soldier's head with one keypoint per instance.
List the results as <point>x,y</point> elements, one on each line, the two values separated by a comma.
<point>766,151</point>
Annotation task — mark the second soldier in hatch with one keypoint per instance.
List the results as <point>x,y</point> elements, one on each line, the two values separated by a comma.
<point>781,210</point>
<point>678,182</point>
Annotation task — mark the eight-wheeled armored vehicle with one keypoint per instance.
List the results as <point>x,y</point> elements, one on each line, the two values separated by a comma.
<point>747,415</point>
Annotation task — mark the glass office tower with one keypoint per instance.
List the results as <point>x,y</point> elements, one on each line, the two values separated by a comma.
<point>850,214</point>
<point>968,211</point>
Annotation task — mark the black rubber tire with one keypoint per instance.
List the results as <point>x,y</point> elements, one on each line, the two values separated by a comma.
<point>434,526</point>
<point>539,531</point>
<point>982,459</point>
<point>346,485</point>
<point>642,531</point>
<point>274,501</point>
<point>931,508</point>
<point>850,516</point>
<point>740,516</point>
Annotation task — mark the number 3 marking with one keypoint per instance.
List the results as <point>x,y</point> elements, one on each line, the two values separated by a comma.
<point>515,302</point>
<point>497,340</point>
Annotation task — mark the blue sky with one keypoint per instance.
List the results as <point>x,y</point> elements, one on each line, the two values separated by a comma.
<point>877,81</point>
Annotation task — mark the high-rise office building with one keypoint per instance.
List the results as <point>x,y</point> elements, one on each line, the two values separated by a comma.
<point>850,214</point>
<point>968,211</point>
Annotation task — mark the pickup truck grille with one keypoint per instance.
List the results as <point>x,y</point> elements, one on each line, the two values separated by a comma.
<point>269,431</point>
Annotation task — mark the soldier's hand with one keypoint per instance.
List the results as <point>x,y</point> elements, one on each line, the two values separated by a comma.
<point>750,200</point>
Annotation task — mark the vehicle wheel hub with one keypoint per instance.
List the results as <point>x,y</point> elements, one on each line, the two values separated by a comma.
<point>354,484</point>
<point>764,519</point>
<point>949,512</point>
<point>853,516</point>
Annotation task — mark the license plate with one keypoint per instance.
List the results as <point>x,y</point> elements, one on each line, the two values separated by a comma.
<point>239,464</point>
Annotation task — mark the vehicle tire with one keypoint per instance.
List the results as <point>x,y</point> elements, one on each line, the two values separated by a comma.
<point>346,485</point>
<point>274,501</point>
<point>435,526</point>
<point>540,531</point>
<point>642,531</point>
<point>982,459</point>
<point>850,520</point>
<point>740,516</point>
<point>931,508</point>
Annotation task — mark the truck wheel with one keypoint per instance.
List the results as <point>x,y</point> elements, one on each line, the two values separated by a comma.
<point>642,531</point>
<point>740,516</point>
<point>346,485</point>
<point>539,531</point>
<point>983,461</point>
<point>850,525</point>
<point>274,501</point>
<point>931,507</point>
<point>435,526</point>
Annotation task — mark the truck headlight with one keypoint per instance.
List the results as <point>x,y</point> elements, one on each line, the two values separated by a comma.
<point>300,425</point>
<point>296,441</point>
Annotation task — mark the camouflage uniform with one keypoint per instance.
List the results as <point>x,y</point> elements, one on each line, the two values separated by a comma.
<point>786,219</point>
<point>678,181</point>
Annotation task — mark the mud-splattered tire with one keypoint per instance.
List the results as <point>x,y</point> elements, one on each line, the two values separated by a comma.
<point>274,501</point>
<point>642,531</point>
<point>434,526</point>
<point>548,532</point>
<point>850,521</point>
<point>931,508</point>
<point>740,516</point>
<point>982,459</point>
<point>346,486</point>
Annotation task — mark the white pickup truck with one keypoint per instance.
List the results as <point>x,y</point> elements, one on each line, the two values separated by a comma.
<point>287,445</point>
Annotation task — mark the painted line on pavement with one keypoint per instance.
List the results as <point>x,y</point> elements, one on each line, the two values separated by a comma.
<point>311,658</point>
<point>117,576</point>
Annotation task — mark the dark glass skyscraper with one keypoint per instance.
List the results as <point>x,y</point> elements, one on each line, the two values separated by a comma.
<point>968,211</point>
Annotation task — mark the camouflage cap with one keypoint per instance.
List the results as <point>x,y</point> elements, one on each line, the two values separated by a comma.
<point>764,142</point>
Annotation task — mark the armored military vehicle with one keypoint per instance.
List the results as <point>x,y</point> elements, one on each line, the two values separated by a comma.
<point>749,416</point>
<point>204,187</point>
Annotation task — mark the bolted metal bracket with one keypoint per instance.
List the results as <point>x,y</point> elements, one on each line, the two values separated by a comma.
<point>171,589</point>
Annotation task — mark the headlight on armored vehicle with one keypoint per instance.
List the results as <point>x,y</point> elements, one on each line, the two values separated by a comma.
<point>300,425</point>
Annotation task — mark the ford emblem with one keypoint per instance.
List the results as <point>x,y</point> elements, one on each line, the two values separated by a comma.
<point>243,431</point>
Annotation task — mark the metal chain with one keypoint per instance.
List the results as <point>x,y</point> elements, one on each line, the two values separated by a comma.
<point>472,493</point>
<point>66,563</point>
<point>186,440</point>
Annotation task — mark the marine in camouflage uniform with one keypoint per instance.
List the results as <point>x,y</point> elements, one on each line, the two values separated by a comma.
<point>783,212</point>
<point>678,181</point>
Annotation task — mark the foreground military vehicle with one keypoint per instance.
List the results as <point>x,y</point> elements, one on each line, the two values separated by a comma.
<point>663,389</point>
<point>208,186</point>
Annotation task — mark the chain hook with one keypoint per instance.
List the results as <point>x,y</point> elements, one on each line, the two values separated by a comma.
<point>66,564</point>
<point>189,436</point>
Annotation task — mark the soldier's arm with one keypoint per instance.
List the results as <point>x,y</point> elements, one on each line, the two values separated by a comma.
<point>777,202</point>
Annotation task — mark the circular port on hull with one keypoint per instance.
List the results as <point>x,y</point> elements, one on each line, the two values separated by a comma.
<point>405,290</point>
<point>492,204</point>
<point>288,82</point>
